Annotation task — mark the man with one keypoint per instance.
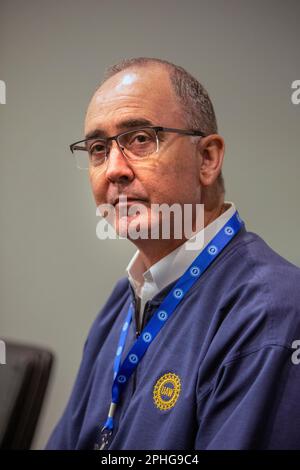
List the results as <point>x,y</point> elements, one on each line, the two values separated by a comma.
<point>220,369</point>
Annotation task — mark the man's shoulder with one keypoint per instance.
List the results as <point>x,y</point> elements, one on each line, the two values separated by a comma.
<point>262,292</point>
<point>267,267</point>
<point>250,258</point>
<point>116,298</point>
<point>107,315</point>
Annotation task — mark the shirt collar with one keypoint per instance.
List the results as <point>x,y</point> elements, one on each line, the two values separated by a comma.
<point>173,265</point>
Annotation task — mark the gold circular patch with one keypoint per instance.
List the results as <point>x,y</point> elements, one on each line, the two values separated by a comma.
<point>166,391</point>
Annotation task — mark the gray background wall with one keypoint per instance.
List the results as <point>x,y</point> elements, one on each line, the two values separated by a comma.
<point>55,273</point>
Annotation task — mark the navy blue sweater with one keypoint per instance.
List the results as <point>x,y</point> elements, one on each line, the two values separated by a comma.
<point>219,375</point>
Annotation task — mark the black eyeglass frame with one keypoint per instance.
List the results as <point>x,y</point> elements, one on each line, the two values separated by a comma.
<point>155,128</point>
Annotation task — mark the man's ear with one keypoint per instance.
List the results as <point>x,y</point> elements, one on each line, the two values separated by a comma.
<point>211,151</point>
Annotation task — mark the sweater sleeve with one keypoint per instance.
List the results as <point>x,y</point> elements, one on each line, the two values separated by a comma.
<point>253,403</point>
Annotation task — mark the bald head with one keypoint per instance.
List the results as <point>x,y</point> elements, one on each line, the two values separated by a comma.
<point>143,89</point>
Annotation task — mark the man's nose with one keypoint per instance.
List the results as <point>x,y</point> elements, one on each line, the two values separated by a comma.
<point>117,165</point>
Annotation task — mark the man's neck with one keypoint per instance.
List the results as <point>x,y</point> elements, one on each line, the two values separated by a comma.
<point>151,251</point>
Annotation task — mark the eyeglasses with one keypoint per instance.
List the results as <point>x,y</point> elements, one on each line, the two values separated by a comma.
<point>136,144</point>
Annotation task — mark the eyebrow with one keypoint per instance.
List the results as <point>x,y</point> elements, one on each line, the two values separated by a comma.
<point>122,125</point>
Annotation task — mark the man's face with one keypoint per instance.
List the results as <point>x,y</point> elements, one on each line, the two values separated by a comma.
<point>169,176</point>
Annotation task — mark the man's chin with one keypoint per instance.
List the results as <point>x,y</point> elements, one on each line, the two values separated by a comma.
<point>133,228</point>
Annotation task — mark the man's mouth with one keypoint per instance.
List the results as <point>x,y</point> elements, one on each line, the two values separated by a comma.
<point>123,201</point>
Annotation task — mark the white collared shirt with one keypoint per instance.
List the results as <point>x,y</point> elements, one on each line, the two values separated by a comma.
<point>148,282</point>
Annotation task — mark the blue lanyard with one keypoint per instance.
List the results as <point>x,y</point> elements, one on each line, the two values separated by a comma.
<point>122,372</point>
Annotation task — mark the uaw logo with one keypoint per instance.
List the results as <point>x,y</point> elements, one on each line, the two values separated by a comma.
<point>166,391</point>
